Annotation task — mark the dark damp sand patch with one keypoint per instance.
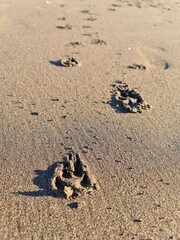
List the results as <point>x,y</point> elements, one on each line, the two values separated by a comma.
<point>129,100</point>
<point>72,178</point>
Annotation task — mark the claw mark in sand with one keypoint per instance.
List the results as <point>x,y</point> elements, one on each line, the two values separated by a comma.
<point>71,177</point>
<point>129,99</point>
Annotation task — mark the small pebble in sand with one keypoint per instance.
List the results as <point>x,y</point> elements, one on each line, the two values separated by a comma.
<point>34,113</point>
<point>166,65</point>
<point>137,220</point>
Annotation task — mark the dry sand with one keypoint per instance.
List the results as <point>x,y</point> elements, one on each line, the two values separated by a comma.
<point>48,110</point>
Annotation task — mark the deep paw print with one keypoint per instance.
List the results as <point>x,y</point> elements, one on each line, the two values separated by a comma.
<point>129,99</point>
<point>71,177</point>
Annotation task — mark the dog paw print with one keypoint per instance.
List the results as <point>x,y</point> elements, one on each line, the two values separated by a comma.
<point>71,177</point>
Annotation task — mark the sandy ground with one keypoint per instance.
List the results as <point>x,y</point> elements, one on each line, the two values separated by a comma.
<point>48,110</point>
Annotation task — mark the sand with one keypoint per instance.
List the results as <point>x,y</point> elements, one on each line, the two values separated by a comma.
<point>50,110</point>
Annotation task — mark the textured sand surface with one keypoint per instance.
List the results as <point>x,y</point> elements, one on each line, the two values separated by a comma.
<point>48,110</point>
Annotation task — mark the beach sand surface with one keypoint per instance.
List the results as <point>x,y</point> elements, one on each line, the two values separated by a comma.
<point>48,110</point>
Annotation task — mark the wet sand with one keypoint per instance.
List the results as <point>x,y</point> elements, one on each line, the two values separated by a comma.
<point>64,66</point>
